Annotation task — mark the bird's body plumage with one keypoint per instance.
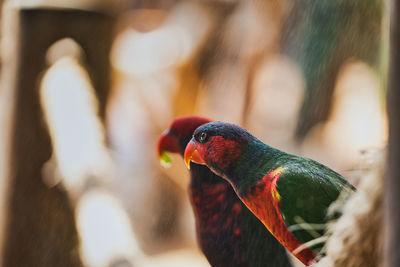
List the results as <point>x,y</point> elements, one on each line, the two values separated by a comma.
<point>289,194</point>
<point>228,233</point>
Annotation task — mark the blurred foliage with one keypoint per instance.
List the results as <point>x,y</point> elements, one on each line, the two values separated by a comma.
<point>321,35</point>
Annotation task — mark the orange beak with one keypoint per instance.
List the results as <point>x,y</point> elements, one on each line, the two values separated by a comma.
<point>191,154</point>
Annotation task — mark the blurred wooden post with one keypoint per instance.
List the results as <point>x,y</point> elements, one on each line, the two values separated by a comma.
<point>392,192</point>
<point>40,222</point>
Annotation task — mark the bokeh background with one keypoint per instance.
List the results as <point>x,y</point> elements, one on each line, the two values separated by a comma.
<point>88,86</point>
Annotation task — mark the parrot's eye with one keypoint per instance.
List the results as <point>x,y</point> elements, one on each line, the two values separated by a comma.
<point>202,137</point>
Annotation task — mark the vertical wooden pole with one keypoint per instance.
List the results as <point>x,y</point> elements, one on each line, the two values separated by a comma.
<point>40,221</point>
<point>392,192</point>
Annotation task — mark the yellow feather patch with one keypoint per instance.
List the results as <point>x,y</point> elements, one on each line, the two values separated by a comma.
<point>274,192</point>
<point>278,171</point>
<point>276,195</point>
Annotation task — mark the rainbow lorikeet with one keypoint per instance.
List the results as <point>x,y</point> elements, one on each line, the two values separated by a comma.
<point>228,233</point>
<point>288,193</point>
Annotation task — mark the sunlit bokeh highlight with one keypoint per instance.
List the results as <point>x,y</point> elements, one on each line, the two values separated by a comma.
<point>77,134</point>
<point>105,230</point>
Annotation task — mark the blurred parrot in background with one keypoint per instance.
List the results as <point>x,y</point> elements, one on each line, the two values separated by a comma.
<point>288,193</point>
<point>228,233</point>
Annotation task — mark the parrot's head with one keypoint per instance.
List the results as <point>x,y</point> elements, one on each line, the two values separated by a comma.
<point>219,145</point>
<point>176,136</point>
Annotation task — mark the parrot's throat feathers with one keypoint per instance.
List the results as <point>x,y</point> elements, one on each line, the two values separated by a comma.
<point>223,155</point>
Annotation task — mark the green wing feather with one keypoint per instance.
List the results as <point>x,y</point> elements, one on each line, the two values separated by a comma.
<point>306,189</point>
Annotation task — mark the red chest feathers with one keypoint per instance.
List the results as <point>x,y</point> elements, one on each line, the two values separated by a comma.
<point>263,200</point>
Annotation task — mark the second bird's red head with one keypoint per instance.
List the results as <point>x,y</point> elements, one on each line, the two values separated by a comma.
<point>177,135</point>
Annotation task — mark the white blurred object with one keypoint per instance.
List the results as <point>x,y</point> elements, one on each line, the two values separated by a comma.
<point>105,230</point>
<point>76,132</point>
<point>65,47</point>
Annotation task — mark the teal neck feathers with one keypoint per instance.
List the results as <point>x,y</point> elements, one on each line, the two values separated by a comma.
<point>255,162</point>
